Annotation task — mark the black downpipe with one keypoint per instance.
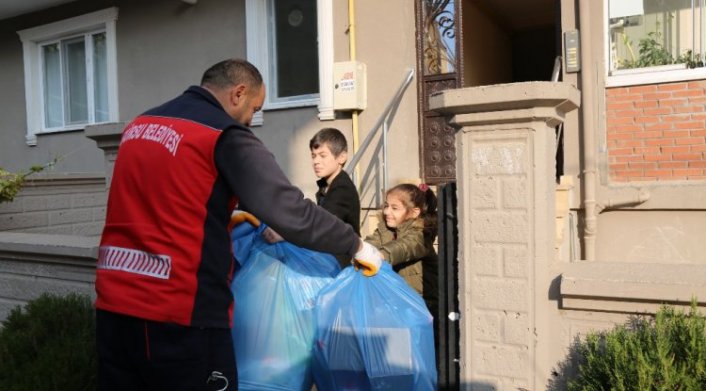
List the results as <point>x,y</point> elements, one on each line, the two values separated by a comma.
<point>447,330</point>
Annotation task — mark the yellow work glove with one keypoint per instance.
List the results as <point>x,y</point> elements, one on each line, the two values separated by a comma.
<point>368,259</point>
<point>240,217</point>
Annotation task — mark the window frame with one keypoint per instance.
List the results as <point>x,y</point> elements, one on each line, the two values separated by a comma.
<point>662,193</point>
<point>33,39</point>
<point>258,39</point>
<point>640,76</point>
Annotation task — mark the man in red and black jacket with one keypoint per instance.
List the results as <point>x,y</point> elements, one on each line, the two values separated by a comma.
<point>164,305</point>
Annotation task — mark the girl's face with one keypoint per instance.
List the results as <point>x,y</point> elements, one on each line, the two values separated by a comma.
<point>396,211</point>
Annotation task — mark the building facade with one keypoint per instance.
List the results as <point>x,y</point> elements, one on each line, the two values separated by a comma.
<point>581,179</point>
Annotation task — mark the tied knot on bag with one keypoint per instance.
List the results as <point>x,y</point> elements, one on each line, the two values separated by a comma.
<point>423,187</point>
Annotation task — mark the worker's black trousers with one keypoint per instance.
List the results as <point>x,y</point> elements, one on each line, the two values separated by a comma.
<point>136,354</point>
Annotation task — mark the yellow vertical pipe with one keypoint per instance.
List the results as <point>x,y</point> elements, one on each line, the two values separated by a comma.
<point>351,28</point>
<point>354,114</point>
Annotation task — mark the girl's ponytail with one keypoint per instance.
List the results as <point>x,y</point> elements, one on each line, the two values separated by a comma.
<point>429,211</point>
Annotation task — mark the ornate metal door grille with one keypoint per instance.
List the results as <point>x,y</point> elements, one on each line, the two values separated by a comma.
<point>439,68</point>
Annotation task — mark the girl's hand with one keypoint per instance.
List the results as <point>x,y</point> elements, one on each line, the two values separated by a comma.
<point>271,236</point>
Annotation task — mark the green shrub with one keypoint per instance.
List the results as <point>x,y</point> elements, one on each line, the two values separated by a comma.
<point>50,345</point>
<point>10,182</point>
<point>667,352</point>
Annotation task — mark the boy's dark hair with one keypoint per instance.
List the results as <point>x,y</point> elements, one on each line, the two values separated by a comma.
<point>332,137</point>
<point>231,72</point>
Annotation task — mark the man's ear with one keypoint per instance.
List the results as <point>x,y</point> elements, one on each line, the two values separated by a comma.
<point>237,93</point>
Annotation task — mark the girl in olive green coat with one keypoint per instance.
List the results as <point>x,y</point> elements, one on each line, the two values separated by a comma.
<point>405,237</point>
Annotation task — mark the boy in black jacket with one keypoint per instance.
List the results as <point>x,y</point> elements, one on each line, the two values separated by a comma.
<point>337,193</point>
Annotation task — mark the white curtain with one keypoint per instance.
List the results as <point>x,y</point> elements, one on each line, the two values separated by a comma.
<point>100,78</point>
<point>53,113</point>
<point>76,93</point>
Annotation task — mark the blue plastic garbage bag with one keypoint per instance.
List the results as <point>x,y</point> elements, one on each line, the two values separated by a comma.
<point>242,238</point>
<point>373,333</point>
<point>275,292</point>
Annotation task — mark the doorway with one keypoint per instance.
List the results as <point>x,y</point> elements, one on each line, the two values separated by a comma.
<point>469,43</point>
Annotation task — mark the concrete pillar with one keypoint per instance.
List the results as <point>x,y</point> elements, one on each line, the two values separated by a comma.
<point>107,137</point>
<point>505,166</point>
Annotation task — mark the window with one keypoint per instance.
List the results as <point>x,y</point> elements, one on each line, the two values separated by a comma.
<point>293,50</point>
<point>75,81</point>
<point>70,75</point>
<point>291,42</point>
<point>655,40</point>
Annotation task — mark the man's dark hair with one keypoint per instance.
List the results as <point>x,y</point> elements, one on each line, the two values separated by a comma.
<point>332,137</point>
<point>230,72</point>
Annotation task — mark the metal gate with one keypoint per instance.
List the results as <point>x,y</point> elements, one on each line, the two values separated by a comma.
<point>439,67</point>
<point>447,330</point>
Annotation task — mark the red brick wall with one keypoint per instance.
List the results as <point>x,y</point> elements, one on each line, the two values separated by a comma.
<point>657,132</point>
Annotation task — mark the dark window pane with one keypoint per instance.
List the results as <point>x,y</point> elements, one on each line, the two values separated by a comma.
<point>296,54</point>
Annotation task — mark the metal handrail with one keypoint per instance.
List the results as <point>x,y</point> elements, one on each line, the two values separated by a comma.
<point>384,121</point>
<point>556,72</point>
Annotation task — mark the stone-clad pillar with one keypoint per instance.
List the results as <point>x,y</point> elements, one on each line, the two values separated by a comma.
<point>107,137</point>
<point>505,150</point>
